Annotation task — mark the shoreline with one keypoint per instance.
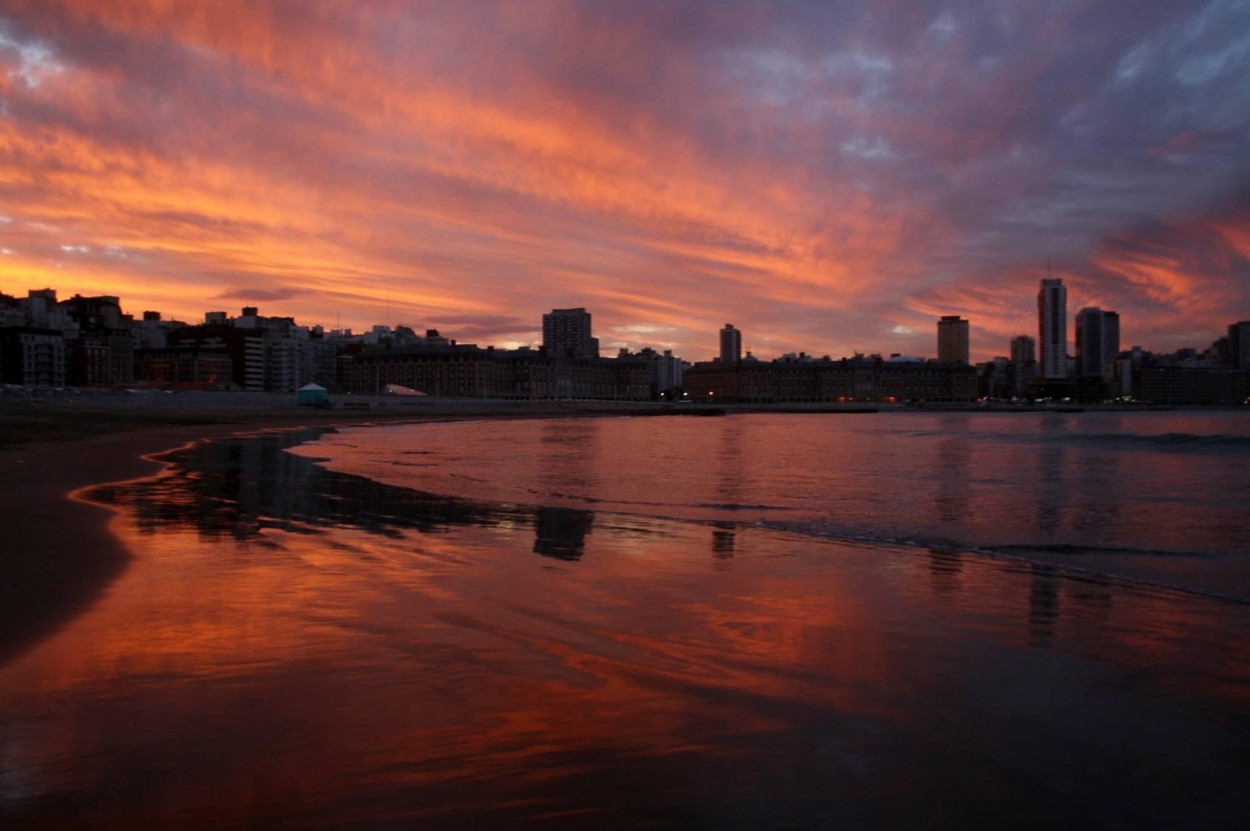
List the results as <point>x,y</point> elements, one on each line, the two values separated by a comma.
<point>60,553</point>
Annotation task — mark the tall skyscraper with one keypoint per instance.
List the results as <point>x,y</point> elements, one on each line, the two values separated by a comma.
<point>1052,325</point>
<point>1110,336</point>
<point>1023,350</point>
<point>1091,346</point>
<point>952,333</point>
<point>730,345</point>
<point>567,332</point>
<point>1239,344</point>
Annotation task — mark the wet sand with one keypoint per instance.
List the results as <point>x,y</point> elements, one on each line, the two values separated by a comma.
<point>293,647</point>
<point>58,553</point>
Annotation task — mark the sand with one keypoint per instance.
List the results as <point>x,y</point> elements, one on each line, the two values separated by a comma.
<point>58,554</point>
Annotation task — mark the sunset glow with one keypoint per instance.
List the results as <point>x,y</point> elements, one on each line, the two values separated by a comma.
<point>830,178</point>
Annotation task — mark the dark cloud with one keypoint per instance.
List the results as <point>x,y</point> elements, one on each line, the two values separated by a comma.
<point>487,329</point>
<point>826,175</point>
<point>261,295</point>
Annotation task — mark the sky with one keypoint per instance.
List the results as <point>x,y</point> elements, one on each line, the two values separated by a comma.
<point>830,177</point>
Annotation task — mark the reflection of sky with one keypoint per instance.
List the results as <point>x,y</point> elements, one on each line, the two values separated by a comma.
<point>1134,484</point>
<point>830,177</point>
<point>311,648</point>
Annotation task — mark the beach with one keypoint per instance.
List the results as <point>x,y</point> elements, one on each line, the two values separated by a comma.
<point>59,552</point>
<point>262,635</point>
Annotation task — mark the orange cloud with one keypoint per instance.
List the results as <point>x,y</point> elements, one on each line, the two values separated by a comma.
<point>404,161</point>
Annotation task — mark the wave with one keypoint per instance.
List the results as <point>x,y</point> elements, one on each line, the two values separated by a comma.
<point>1218,442</point>
<point>1126,564</point>
<point>827,530</point>
<point>1078,549</point>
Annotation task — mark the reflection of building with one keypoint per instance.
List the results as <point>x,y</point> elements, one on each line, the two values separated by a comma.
<point>566,332</point>
<point>1052,305</point>
<point>561,532</point>
<point>239,480</point>
<point>730,345</point>
<point>952,334</point>
<point>1043,604</point>
<point>945,569</point>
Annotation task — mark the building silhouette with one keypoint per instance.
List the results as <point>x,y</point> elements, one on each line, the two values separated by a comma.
<point>1239,344</point>
<point>952,335</point>
<point>566,333</point>
<point>1110,336</point>
<point>1052,325</point>
<point>468,371</point>
<point>1091,349</point>
<point>730,345</point>
<point>1023,350</point>
<point>803,379</point>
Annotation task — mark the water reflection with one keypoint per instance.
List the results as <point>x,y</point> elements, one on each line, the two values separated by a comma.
<point>561,532</point>
<point>952,472</point>
<point>945,568</point>
<point>1052,477</point>
<point>722,540</point>
<point>1043,604</point>
<point>299,648</point>
<point>239,488</point>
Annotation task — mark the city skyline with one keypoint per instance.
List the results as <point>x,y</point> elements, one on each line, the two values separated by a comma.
<point>575,323</point>
<point>831,180</point>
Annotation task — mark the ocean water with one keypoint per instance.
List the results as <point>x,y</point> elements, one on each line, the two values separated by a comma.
<point>1155,496</point>
<point>819,621</point>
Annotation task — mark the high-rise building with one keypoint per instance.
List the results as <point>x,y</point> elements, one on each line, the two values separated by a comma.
<point>952,334</point>
<point>1110,336</point>
<point>1052,325</point>
<point>1023,350</point>
<point>1239,344</point>
<point>1091,346</point>
<point>730,345</point>
<point>567,332</point>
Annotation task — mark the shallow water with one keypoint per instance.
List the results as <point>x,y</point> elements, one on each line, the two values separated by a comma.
<point>296,647</point>
<point>1157,496</point>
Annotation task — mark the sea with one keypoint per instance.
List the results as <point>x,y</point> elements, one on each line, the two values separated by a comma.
<point>756,621</point>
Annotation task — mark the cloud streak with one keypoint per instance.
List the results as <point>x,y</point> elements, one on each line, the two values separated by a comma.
<point>827,179</point>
